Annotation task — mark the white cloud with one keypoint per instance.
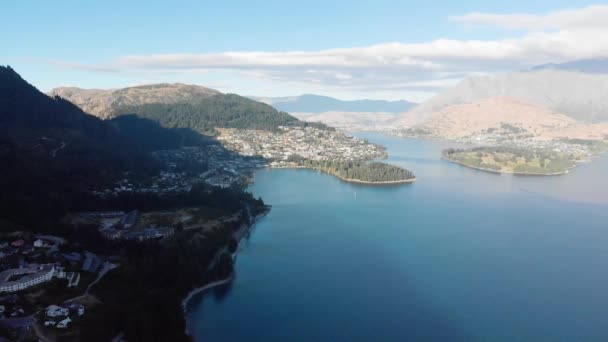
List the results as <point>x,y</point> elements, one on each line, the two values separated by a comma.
<point>579,18</point>
<point>393,67</point>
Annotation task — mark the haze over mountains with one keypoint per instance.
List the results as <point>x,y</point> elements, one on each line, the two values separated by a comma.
<point>598,65</point>
<point>356,115</point>
<point>309,103</point>
<point>581,96</point>
<point>551,100</point>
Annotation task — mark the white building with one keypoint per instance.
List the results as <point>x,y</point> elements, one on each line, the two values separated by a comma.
<point>57,311</point>
<point>17,279</point>
<point>64,324</point>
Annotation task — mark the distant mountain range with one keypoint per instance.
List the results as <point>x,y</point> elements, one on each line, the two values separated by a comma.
<point>318,104</point>
<point>581,96</point>
<point>598,65</point>
<point>179,106</point>
<point>507,115</point>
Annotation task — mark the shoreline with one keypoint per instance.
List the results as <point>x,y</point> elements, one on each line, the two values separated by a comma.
<point>242,232</point>
<point>205,288</point>
<point>348,180</point>
<point>510,172</point>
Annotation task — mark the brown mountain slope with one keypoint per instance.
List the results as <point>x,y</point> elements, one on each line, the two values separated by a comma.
<point>502,114</point>
<point>102,103</point>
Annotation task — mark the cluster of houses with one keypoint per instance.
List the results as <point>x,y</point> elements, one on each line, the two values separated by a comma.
<point>24,264</point>
<point>60,316</point>
<point>23,270</point>
<point>43,244</point>
<point>307,142</point>
<point>118,225</point>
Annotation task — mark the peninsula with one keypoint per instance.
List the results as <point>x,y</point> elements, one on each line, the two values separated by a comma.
<point>513,160</point>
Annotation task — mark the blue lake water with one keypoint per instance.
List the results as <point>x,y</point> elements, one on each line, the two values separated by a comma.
<point>460,255</point>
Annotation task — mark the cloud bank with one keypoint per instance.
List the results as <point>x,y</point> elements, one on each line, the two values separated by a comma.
<point>401,67</point>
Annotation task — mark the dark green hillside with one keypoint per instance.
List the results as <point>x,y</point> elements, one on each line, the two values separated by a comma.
<point>221,110</point>
<point>150,136</point>
<point>51,152</point>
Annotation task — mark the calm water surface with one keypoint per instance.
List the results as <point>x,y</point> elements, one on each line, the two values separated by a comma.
<point>461,255</point>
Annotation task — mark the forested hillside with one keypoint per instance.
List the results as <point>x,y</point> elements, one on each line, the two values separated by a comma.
<point>225,111</point>
<point>51,152</point>
<point>179,106</point>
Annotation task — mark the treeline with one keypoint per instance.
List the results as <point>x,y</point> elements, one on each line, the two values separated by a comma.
<point>373,172</point>
<point>221,110</point>
<point>143,297</point>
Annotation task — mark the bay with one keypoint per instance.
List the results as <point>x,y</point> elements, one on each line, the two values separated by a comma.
<point>460,255</point>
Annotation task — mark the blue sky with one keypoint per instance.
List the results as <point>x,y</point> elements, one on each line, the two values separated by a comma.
<point>92,44</point>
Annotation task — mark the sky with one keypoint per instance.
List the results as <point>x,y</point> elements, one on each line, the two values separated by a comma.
<point>377,49</point>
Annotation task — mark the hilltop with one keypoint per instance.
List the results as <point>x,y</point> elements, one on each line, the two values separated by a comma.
<point>179,106</point>
<point>105,103</point>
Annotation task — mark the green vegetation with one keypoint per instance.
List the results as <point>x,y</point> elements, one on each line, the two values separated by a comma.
<point>221,110</point>
<point>143,297</point>
<point>512,160</point>
<point>51,153</point>
<point>358,171</point>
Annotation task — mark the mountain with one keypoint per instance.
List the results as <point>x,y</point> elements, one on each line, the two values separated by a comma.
<point>52,153</point>
<point>309,103</point>
<point>597,65</point>
<point>179,106</point>
<point>507,116</point>
<point>104,103</point>
<point>463,120</point>
<point>581,96</point>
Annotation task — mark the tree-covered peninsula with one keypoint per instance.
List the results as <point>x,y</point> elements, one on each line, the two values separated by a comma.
<point>359,171</point>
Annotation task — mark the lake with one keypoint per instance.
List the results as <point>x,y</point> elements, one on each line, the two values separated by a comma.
<point>460,255</point>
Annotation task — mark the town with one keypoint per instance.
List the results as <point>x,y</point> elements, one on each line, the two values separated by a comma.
<point>44,282</point>
<point>307,142</point>
<point>184,167</point>
<point>515,137</point>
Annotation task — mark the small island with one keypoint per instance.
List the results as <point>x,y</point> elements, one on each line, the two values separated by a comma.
<point>362,172</point>
<point>513,160</point>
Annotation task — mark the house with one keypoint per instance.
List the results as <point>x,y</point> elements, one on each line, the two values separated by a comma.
<point>56,311</point>
<point>73,279</point>
<point>64,324</point>
<point>111,233</point>
<point>72,257</point>
<point>91,262</point>
<point>50,240</point>
<point>130,220</point>
<point>76,308</point>
<point>18,243</point>
<point>16,279</point>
